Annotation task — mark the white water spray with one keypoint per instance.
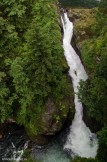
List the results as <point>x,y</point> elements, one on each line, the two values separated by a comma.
<point>80,140</point>
<point>18,154</point>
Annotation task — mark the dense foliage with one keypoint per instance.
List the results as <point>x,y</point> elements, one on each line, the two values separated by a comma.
<point>12,28</point>
<point>79,159</point>
<point>79,3</point>
<point>93,93</point>
<point>32,65</point>
<point>95,59</point>
<point>102,152</point>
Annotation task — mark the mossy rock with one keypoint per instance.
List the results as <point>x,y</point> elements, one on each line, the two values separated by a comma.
<point>84,20</point>
<point>52,118</point>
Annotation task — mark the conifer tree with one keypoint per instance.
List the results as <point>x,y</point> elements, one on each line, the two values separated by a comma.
<point>40,71</point>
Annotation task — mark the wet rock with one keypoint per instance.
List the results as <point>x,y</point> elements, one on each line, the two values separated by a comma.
<point>5,127</point>
<point>52,120</point>
<point>94,125</point>
<point>40,140</point>
<point>55,115</point>
<point>1,136</point>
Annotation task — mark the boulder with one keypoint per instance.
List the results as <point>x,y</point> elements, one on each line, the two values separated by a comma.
<point>53,118</point>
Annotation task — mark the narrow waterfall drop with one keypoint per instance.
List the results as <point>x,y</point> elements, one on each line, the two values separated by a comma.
<point>80,140</point>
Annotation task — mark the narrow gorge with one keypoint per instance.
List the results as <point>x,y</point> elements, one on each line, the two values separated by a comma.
<point>53,81</point>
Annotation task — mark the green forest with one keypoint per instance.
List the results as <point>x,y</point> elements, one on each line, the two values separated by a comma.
<point>32,66</point>
<point>93,93</point>
<point>33,69</point>
<point>79,3</point>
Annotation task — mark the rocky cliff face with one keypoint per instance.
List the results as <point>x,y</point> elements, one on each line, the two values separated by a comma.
<point>53,119</point>
<point>83,20</point>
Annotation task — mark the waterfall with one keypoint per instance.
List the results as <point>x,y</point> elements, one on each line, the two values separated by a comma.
<point>80,140</point>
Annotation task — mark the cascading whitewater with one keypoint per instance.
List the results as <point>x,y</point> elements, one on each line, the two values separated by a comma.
<point>80,140</point>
